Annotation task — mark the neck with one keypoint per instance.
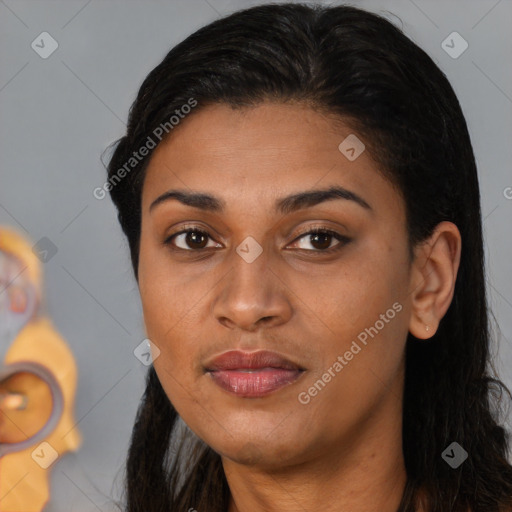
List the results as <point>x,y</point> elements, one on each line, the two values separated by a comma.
<point>366,473</point>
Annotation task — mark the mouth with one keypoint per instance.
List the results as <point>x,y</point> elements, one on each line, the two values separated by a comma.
<point>252,374</point>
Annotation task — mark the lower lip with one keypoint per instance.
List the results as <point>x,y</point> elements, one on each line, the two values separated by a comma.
<point>256,383</point>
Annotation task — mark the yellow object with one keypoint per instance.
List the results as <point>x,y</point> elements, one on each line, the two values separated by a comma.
<point>38,377</point>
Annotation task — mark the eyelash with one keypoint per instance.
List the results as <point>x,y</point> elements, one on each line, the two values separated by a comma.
<point>343,240</point>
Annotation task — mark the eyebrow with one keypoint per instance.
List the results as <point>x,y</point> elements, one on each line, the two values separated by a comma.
<point>284,205</point>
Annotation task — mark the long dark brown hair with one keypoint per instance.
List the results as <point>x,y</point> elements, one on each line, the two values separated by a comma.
<point>360,67</point>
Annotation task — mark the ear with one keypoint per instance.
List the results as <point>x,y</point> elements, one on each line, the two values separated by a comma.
<point>434,271</point>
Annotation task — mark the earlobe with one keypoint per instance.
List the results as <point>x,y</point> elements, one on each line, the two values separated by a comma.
<point>433,278</point>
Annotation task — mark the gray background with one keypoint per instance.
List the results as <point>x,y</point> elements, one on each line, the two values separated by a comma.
<point>59,114</point>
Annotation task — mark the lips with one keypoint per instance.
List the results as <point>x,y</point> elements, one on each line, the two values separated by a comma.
<point>252,374</point>
<point>238,360</point>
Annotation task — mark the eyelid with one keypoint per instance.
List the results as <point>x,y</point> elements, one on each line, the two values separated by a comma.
<point>317,227</point>
<point>307,230</point>
<point>322,228</point>
<point>184,230</point>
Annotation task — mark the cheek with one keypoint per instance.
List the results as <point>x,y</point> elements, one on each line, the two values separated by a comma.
<point>365,311</point>
<point>173,302</point>
<point>361,366</point>
<point>365,286</point>
<point>163,304</point>
<point>169,318</point>
<point>163,300</point>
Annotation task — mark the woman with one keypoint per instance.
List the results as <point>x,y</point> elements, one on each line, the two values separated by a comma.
<point>300,197</point>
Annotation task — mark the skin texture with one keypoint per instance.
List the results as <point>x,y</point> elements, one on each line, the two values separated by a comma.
<point>342,450</point>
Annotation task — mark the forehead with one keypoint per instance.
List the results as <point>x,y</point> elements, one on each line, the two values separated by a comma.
<point>259,154</point>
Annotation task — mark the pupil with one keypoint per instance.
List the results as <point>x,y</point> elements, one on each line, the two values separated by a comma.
<point>321,235</point>
<point>193,238</point>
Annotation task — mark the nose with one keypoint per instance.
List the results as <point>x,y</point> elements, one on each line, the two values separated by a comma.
<point>252,295</point>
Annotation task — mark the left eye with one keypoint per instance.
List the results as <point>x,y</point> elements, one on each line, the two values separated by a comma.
<point>320,239</point>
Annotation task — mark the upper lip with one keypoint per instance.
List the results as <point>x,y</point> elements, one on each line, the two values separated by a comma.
<point>237,359</point>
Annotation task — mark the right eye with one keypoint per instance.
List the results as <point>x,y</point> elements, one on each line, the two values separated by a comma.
<point>193,237</point>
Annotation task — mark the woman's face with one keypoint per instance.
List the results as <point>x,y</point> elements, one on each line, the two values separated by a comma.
<point>334,306</point>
